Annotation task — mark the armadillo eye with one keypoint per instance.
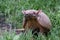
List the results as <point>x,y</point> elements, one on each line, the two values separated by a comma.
<point>26,14</point>
<point>33,12</point>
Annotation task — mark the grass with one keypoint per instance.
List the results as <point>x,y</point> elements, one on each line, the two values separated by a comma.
<point>12,10</point>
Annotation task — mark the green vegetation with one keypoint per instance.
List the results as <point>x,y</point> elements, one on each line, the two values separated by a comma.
<point>12,10</point>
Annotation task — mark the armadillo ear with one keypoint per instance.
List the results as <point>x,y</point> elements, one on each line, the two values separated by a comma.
<point>39,11</point>
<point>23,11</point>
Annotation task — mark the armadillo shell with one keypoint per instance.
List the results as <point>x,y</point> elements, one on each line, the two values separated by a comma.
<point>44,20</point>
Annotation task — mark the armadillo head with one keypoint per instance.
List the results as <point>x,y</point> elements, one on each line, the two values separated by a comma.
<point>30,14</point>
